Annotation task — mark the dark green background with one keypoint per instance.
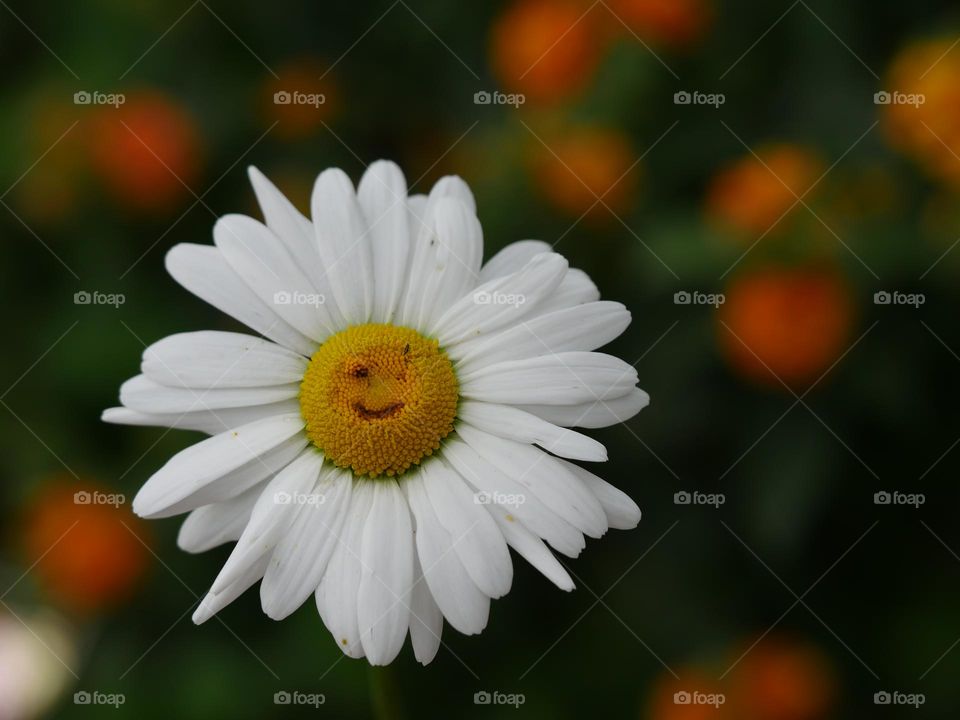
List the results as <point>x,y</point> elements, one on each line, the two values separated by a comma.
<point>799,499</point>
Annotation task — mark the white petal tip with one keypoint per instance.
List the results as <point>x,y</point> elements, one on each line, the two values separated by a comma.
<point>203,611</point>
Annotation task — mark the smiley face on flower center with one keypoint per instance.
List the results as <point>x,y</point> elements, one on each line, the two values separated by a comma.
<point>378,398</point>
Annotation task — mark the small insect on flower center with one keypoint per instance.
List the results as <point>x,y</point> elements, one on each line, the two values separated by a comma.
<point>378,398</point>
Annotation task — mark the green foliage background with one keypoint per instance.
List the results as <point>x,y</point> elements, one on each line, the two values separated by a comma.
<point>799,497</point>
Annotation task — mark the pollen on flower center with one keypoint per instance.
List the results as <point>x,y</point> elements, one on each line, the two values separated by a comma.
<point>378,398</point>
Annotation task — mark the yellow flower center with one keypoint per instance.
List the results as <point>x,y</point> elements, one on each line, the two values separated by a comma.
<point>378,398</point>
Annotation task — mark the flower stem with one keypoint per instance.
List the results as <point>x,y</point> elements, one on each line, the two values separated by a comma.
<point>385,693</point>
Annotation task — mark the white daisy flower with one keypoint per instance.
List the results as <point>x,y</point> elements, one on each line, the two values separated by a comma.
<point>400,423</point>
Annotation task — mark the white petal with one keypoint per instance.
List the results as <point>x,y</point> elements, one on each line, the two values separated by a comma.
<point>210,422</point>
<point>219,467</point>
<point>511,258</point>
<point>581,327</point>
<point>302,554</point>
<point>202,270</point>
<point>264,264</point>
<point>429,251</point>
<point>143,395</point>
<point>426,620</point>
<point>386,574</point>
<point>499,489</point>
<point>476,538</point>
<point>271,516</point>
<point>423,241</point>
<point>344,243</point>
<point>450,186</point>
<point>447,265</point>
<point>560,379</point>
<point>218,523</point>
<point>416,216</point>
<point>515,424</point>
<point>213,603</point>
<point>502,301</point>
<point>338,592</point>
<point>291,227</point>
<point>544,476</point>
<point>576,288</point>
<point>208,359</point>
<point>464,606</point>
<point>593,414</point>
<point>622,512</point>
<point>531,548</point>
<point>382,194</point>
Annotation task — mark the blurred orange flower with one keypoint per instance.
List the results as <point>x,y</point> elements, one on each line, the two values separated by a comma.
<point>670,23</point>
<point>782,679</point>
<point>794,322</point>
<point>146,150</point>
<point>85,556</point>
<point>300,99</point>
<point>752,194</point>
<point>546,49</point>
<point>686,697</point>
<point>584,163</point>
<point>778,678</point>
<point>922,110</point>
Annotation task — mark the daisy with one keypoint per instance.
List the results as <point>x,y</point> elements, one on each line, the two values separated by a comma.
<point>400,420</point>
